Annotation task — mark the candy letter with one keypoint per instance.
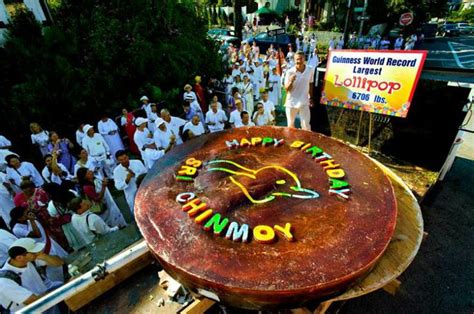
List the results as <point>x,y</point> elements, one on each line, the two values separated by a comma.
<point>237,234</point>
<point>323,156</point>
<point>285,232</point>
<point>335,173</point>
<point>296,144</point>
<point>182,178</point>
<point>314,151</point>
<point>193,207</point>
<point>338,184</point>
<point>193,162</point>
<point>201,218</point>
<point>186,170</point>
<point>216,223</point>
<point>263,234</point>
<point>329,164</point>
<point>245,142</point>
<point>256,141</point>
<point>267,141</point>
<point>184,197</point>
<point>342,193</point>
<point>278,142</point>
<point>232,144</point>
<point>306,146</point>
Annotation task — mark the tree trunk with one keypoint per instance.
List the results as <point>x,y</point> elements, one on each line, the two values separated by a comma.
<point>237,18</point>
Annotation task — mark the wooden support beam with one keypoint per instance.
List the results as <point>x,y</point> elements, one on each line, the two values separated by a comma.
<point>393,286</point>
<point>323,307</point>
<point>199,306</point>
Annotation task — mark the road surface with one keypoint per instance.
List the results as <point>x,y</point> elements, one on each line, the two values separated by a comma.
<point>455,53</point>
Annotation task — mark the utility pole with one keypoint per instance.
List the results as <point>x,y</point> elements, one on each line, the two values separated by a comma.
<point>366,2</point>
<point>350,6</point>
<point>237,18</point>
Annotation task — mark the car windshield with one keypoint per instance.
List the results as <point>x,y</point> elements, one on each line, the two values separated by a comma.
<point>262,36</point>
<point>450,26</point>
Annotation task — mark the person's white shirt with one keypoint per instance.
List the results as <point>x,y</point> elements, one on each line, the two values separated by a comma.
<point>4,152</point>
<point>264,119</point>
<point>190,94</point>
<point>196,129</point>
<point>79,137</point>
<point>217,119</point>
<point>110,132</point>
<point>235,117</point>
<point>332,44</point>
<point>149,155</point>
<point>90,164</point>
<point>6,199</point>
<point>6,239</point>
<point>25,169</point>
<point>49,176</point>
<point>241,124</point>
<point>163,138</point>
<point>174,125</point>
<point>147,108</point>
<point>12,294</point>
<point>398,43</point>
<point>96,146</point>
<point>130,188</point>
<point>340,44</point>
<point>152,121</point>
<point>298,96</point>
<point>88,225</point>
<point>268,106</point>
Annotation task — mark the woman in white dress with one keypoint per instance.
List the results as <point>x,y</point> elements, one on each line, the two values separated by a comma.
<point>24,224</point>
<point>110,131</point>
<point>39,137</point>
<point>96,191</point>
<point>248,94</point>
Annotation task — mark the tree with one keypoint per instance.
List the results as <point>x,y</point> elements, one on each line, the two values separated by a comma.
<point>237,18</point>
<point>98,58</point>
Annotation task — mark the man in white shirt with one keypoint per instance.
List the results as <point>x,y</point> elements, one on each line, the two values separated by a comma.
<point>173,123</point>
<point>146,105</point>
<point>274,90</point>
<point>22,284</point>
<point>261,117</point>
<point>164,137</point>
<point>299,87</point>
<point>194,127</point>
<point>126,175</point>
<point>332,44</point>
<point>399,42</point>
<point>340,43</point>
<point>268,105</point>
<point>153,118</point>
<point>235,118</point>
<point>19,171</point>
<point>98,150</point>
<point>6,240</point>
<point>215,119</point>
<point>145,143</point>
<point>245,120</point>
<point>86,223</point>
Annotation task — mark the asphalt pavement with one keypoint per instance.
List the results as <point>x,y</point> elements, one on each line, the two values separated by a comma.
<point>456,53</point>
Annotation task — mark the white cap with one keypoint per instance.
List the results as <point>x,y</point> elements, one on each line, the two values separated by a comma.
<point>140,121</point>
<point>143,98</point>
<point>86,128</point>
<point>159,122</point>
<point>28,244</point>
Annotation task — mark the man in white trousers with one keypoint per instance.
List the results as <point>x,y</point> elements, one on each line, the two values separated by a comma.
<point>299,85</point>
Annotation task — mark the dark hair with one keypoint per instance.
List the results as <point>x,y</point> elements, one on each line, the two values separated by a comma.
<point>242,114</point>
<point>185,135</point>
<point>27,184</point>
<point>10,157</point>
<point>234,90</point>
<point>74,204</point>
<point>120,153</point>
<point>51,133</point>
<point>15,251</point>
<point>58,193</point>
<point>15,214</point>
<point>47,156</point>
<point>81,176</point>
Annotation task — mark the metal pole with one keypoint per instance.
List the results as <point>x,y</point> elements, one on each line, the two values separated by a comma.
<point>366,2</point>
<point>348,18</point>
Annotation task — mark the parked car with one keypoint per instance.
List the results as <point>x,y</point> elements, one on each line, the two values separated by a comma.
<point>223,34</point>
<point>448,30</point>
<point>264,41</point>
<point>428,30</point>
<point>465,28</point>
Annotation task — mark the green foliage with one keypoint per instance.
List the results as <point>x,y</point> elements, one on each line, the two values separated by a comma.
<point>99,57</point>
<point>462,16</point>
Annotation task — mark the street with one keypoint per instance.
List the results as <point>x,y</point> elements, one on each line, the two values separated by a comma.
<point>450,52</point>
